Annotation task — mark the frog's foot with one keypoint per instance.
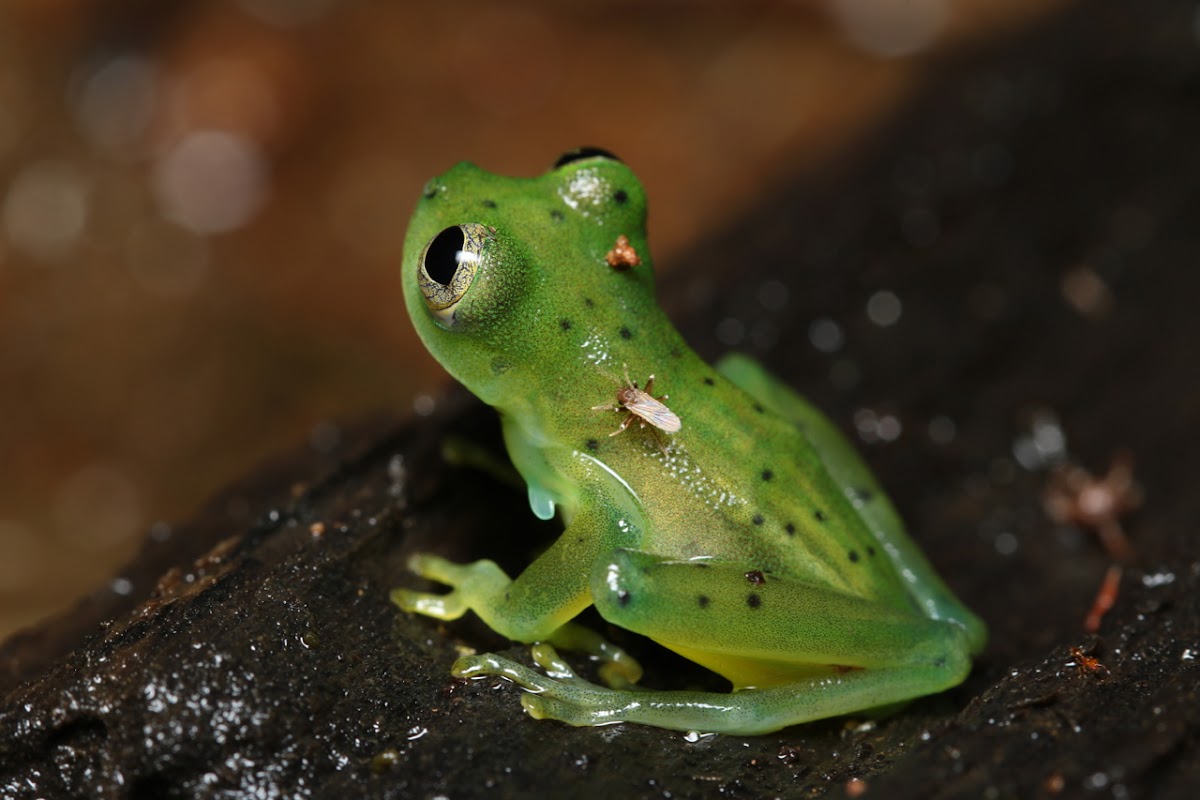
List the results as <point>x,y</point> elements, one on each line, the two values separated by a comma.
<point>617,669</point>
<point>469,582</point>
<point>559,694</point>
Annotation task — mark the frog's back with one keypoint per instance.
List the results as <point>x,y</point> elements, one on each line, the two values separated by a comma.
<point>740,483</point>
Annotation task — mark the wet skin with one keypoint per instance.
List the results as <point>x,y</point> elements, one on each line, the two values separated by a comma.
<point>746,534</point>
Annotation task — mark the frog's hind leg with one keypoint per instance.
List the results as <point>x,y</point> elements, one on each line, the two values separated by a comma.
<point>795,652</point>
<point>617,669</point>
<point>863,491</point>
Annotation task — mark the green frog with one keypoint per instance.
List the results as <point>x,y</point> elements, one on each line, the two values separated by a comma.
<point>726,519</point>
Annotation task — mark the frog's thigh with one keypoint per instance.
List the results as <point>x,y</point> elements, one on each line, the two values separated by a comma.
<point>838,455</point>
<point>759,630</point>
<point>860,486</point>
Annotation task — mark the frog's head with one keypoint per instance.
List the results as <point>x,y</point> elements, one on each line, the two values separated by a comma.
<point>506,278</point>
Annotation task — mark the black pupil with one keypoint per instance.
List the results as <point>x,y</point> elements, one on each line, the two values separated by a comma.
<point>580,153</point>
<point>441,259</point>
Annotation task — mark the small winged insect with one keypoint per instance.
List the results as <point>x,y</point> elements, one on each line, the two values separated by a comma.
<point>642,406</point>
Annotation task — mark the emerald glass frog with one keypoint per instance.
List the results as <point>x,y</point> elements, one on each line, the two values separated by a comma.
<point>733,524</point>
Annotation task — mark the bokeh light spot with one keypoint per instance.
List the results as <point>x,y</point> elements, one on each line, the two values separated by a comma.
<point>46,210</point>
<point>115,102</point>
<point>23,559</point>
<point>211,181</point>
<point>891,28</point>
<point>98,507</point>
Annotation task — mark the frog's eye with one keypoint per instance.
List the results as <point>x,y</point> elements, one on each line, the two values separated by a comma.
<point>582,154</point>
<point>449,264</point>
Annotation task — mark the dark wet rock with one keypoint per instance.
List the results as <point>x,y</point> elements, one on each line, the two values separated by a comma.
<point>253,652</point>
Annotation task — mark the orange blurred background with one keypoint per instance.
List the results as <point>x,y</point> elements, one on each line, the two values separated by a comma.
<point>202,206</point>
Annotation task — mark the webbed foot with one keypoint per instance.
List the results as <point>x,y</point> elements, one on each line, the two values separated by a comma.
<point>479,576</point>
<point>559,693</point>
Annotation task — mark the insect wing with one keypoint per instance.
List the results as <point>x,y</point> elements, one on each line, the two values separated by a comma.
<point>653,412</point>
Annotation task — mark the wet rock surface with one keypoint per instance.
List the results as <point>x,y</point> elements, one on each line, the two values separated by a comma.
<point>1034,217</point>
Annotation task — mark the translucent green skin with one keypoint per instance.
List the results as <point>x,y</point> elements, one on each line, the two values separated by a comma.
<point>753,541</point>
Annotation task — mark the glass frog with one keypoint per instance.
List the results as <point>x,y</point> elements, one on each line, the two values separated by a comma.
<point>735,525</point>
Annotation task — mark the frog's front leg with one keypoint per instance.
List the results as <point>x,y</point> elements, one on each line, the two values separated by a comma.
<point>794,652</point>
<point>537,606</point>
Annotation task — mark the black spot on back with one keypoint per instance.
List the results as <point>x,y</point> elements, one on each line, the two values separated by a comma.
<point>758,519</point>
<point>709,382</point>
<point>753,600</point>
<point>759,408</point>
<point>565,324</point>
<point>489,203</point>
<point>790,528</point>
<point>556,215</point>
<point>820,515</point>
<point>592,445</point>
<point>625,333</point>
<point>870,551</point>
<point>621,197</point>
<point>703,600</point>
<point>587,301</point>
<point>853,555</point>
<point>767,474</point>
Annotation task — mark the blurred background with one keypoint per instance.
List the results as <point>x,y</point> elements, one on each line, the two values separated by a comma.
<point>202,206</point>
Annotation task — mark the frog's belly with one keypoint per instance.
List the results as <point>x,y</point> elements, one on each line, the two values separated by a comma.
<point>745,673</point>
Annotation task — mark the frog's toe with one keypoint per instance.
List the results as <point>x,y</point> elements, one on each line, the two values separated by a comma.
<point>436,568</point>
<point>577,711</point>
<point>622,674</point>
<point>441,606</point>
<point>617,669</point>
<point>548,659</point>
<point>558,694</point>
<point>480,666</point>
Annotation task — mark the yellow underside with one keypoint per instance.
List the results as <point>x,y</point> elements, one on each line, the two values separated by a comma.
<point>745,672</point>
